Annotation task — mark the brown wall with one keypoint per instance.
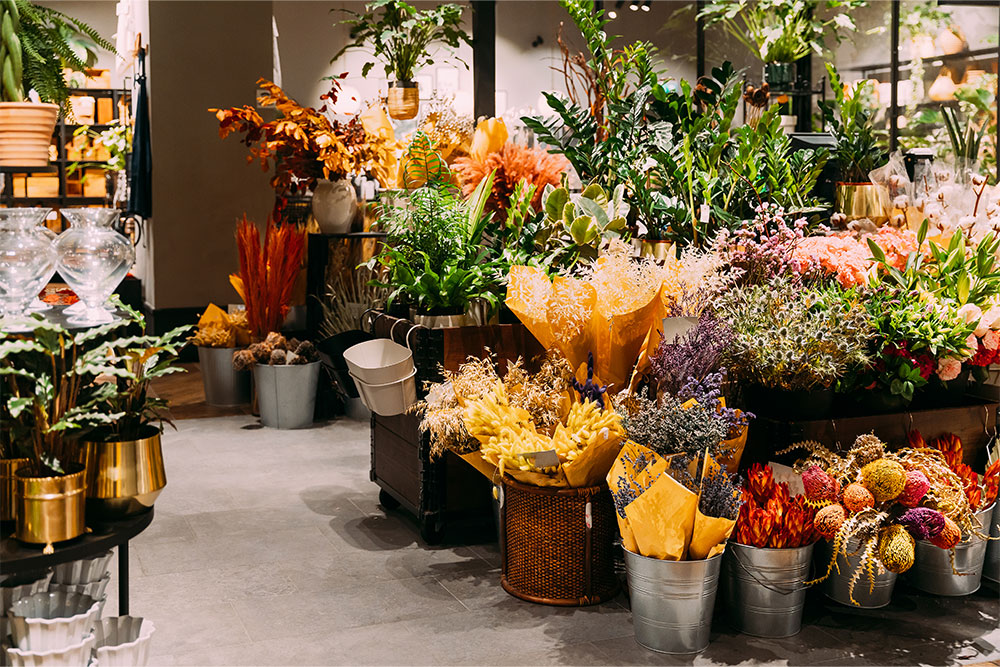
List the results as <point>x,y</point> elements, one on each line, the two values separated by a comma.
<point>202,54</point>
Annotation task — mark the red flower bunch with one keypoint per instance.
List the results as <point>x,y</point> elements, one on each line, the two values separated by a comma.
<point>770,517</point>
<point>980,492</point>
<point>984,356</point>
<point>923,362</point>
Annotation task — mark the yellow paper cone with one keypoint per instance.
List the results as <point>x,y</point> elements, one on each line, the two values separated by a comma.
<point>709,536</point>
<point>570,311</point>
<point>528,292</point>
<point>662,519</point>
<point>593,463</point>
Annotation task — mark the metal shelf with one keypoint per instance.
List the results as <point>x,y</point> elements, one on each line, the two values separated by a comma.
<point>933,61</point>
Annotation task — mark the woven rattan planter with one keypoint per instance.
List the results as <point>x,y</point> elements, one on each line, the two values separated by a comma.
<point>557,545</point>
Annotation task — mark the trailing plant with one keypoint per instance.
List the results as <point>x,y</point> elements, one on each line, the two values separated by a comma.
<point>36,44</point>
<point>267,273</point>
<point>50,394</point>
<point>852,123</point>
<point>781,31</point>
<point>400,35</point>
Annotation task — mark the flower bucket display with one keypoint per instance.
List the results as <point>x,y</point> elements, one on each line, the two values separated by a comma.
<point>384,375</point>
<point>286,394</point>
<point>672,601</point>
<point>838,587</point>
<point>952,573</point>
<point>765,589</point>
<point>224,385</point>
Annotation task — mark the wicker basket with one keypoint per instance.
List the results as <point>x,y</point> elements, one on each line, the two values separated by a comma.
<point>557,545</point>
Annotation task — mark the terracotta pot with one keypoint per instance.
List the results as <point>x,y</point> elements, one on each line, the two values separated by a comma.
<point>863,200</point>
<point>50,509</point>
<point>123,477</point>
<point>7,469</point>
<point>26,133</point>
<point>403,100</point>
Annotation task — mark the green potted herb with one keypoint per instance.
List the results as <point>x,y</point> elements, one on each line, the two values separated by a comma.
<point>400,36</point>
<point>780,32</point>
<point>859,151</point>
<point>36,44</point>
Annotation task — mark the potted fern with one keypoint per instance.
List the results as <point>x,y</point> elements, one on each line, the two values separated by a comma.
<point>400,36</point>
<point>34,49</point>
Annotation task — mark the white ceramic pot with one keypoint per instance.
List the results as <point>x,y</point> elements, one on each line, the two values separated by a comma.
<point>334,205</point>
<point>77,655</point>
<point>52,621</point>
<point>123,641</point>
<point>94,589</point>
<point>85,571</point>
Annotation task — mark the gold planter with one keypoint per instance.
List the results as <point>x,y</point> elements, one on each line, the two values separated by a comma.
<point>403,100</point>
<point>26,133</point>
<point>123,478</point>
<point>7,469</point>
<point>49,509</point>
<point>658,250</point>
<point>863,200</point>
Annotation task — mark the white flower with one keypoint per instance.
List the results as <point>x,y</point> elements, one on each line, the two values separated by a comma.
<point>843,20</point>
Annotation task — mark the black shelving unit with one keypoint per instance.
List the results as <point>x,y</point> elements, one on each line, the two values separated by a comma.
<point>62,136</point>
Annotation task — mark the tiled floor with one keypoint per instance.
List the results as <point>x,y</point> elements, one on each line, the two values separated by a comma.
<point>269,548</point>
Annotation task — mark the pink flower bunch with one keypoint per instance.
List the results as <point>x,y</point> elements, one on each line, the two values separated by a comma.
<point>842,256</point>
<point>897,244</point>
<point>765,248</point>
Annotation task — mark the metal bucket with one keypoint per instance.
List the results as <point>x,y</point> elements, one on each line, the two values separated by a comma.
<point>765,591</point>
<point>932,571</point>
<point>286,395</point>
<point>991,568</point>
<point>837,585</point>
<point>224,386</point>
<point>672,601</point>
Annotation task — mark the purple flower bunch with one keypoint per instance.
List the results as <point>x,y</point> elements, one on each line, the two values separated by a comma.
<point>721,495</point>
<point>696,354</point>
<point>708,391</point>
<point>764,248</point>
<point>923,523</point>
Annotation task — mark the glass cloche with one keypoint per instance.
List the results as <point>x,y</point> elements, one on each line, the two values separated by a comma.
<point>93,260</point>
<point>27,260</point>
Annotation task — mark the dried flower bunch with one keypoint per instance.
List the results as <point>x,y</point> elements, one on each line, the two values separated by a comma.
<point>224,331</point>
<point>276,350</point>
<point>763,249</point>
<point>512,164</point>
<point>771,517</point>
<point>543,395</point>
<point>794,339</point>
<point>693,355</point>
<point>720,495</point>
<point>693,281</point>
<point>672,426</point>
<point>980,491</point>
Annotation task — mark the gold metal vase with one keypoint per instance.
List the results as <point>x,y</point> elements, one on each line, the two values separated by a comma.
<point>863,200</point>
<point>658,250</point>
<point>7,469</point>
<point>123,477</point>
<point>403,99</point>
<point>50,509</point>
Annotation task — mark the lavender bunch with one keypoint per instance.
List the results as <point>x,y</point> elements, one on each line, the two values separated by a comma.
<point>669,428</point>
<point>627,491</point>
<point>721,495</point>
<point>696,354</point>
<point>708,391</point>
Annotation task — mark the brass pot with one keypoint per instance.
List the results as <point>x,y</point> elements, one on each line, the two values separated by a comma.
<point>403,100</point>
<point>25,133</point>
<point>123,477</point>
<point>658,250</point>
<point>49,509</point>
<point>7,469</point>
<point>863,200</point>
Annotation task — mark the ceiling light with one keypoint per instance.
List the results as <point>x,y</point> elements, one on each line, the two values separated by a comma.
<point>612,15</point>
<point>634,6</point>
<point>645,6</point>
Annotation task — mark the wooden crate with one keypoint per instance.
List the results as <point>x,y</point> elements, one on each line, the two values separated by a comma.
<point>975,423</point>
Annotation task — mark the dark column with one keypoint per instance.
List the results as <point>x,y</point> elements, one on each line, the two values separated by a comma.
<point>700,37</point>
<point>484,57</point>
<point>894,77</point>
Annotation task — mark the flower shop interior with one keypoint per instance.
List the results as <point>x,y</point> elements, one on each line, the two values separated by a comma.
<point>499,332</point>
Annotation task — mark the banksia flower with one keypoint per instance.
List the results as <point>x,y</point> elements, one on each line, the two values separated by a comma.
<point>819,485</point>
<point>829,520</point>
<point>867,448</point>
<point>922,522</point>
<point>884,478</point>
<point>895,549</point>
<point>949,536</point>
<point>916,487</point>
<point>857,498</point>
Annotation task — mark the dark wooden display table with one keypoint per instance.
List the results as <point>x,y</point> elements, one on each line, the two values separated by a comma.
<point>17,557</point>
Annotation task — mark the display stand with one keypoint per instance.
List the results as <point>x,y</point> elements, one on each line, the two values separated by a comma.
<point>18,557</point>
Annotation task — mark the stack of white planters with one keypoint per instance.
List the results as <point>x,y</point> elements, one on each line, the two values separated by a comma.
<point>55,619</point>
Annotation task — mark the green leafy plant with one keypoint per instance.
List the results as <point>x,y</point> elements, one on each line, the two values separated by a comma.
<point>852,123</point>
<point>36,44</point>
<point>49,390</point>
<point>422,165</point>
<point>781,31</point>
<point>117,139</point>
<point>965,136</point>
<point>400,35</point>
<point>433,255</point>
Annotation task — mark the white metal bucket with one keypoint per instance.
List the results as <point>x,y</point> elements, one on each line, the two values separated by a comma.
<point>379,361</point>
<point>765,588</point>
<point>837,585</point>
<point>391,398</point>
<point>932,572</point>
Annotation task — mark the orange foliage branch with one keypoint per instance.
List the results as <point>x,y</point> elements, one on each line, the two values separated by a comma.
<point>268,273</point>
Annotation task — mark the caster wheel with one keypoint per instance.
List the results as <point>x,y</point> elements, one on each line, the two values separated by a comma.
<point>386,500</point>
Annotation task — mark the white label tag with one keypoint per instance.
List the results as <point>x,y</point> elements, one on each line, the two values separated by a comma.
<point>545,459</point>
<point>705,210</point>
<point>589,516</point>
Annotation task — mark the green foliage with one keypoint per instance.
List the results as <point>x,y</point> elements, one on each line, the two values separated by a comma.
<point>781,31</point>
<point>852,124</point>
<point>422,165</point>
<point>36,44</point>
<point>400,35</point>
<point>434,257</point>
<point>965,142</point>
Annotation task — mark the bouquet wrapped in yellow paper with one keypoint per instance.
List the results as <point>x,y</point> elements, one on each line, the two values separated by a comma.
<point>217,328</point>
<point>672,508</point>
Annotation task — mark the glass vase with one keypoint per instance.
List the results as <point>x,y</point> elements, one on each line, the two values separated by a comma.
<point>27,261</point>
<point>93,260</point>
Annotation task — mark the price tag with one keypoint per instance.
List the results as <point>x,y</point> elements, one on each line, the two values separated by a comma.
<point>589,516</point>
<point>544,459</point>
<point>705,210</point>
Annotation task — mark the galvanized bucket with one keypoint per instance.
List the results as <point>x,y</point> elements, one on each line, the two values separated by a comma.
<point>991,568</point>
<point>286,395</point>
<point>837,585</point>
<point>765,588</point>
<point>672,601</point>
<point>932,571</point>
<point>224,386</point>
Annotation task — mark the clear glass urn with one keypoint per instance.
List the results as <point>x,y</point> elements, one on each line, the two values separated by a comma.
<point>27,261</point>
<point>93,260</point>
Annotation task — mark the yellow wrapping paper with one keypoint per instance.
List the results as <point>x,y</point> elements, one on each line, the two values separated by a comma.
<point>216,317</point>
<point>491,134</point>
<point>528,292</point>
<point>591,466</point>
<point>733,451</point>
<point>575,330</point>
<point>375,121</point>
<point>662,519</point>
